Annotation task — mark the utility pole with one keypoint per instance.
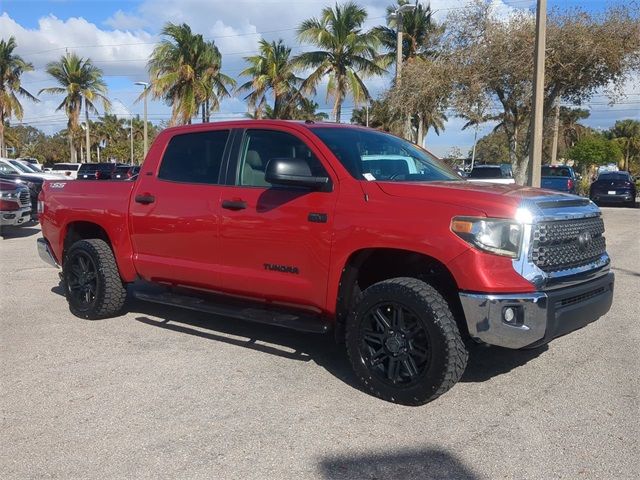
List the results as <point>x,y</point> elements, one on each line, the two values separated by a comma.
<point>556,128</point>
<point>145,85</point>
<point>535,150</point>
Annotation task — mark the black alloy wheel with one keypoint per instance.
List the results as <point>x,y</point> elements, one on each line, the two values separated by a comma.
<point>82,280</point>
<point>394,345</point>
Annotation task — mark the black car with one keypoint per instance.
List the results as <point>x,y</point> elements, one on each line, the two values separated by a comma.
<point>614,187</point>
<point>126,172</point>
<point>98,171</point>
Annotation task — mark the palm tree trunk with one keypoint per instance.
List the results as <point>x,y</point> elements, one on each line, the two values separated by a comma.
<point>2,152</point>
<point>420,141</point>
<point>337,108</point>
<point>204,115</point>
<point>72,151</point>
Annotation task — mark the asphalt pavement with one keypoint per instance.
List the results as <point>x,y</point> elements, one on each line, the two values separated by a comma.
<point>164,393</point>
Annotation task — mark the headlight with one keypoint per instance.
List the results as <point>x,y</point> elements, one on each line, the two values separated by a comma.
<point>9,195</point>
<point>499,236</point>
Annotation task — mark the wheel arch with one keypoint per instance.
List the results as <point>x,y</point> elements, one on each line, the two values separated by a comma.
<point>84,230</point>
<point>367,266</point>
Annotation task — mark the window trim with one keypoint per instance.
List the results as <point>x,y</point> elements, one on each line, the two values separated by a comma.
<point>223,161</point>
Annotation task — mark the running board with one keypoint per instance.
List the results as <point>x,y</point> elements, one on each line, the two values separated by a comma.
<point>287,319</point>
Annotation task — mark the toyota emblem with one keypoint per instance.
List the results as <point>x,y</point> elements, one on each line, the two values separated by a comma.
<point>584,239</point>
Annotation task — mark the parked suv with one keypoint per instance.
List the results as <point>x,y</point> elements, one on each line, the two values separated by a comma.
<point>97,171</point>
<point>15,205</point>
<point>318,227</point>
<point>69,170</point>
<point>614,187</point>
<point>126,172</point>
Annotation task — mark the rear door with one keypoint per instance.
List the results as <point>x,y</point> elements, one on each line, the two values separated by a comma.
<point>275,241</point>
<point>174,214</point>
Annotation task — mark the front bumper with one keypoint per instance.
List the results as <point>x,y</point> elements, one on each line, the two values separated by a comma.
<point>15,217</point>
<point>539,317</point>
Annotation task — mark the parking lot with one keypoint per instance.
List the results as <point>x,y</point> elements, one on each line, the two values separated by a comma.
<point>164,393</point>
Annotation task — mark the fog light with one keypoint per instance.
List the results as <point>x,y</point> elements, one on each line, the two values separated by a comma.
<point>509,315</point>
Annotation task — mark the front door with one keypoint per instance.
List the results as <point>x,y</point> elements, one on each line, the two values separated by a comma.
<point>275,241</point>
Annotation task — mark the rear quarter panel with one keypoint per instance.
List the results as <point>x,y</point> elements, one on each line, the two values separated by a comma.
<point>104,203</point>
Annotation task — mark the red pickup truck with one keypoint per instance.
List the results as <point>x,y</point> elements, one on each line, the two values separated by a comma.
<point>318,226</point>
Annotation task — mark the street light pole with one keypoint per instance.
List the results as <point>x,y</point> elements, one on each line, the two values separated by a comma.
<point>535,153</point>
<point>145,85</point>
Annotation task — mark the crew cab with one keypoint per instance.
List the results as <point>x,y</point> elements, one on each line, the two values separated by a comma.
<point>320,226</point>
<point>558,177</point>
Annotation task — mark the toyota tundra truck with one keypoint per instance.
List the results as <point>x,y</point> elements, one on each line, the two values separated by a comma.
<point>320,226</point>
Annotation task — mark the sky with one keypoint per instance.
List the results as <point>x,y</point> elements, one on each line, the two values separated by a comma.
<point>119,35</point>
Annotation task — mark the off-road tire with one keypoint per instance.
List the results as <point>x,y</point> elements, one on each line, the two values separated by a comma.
<point>110,292</point>
<point>448,357</point>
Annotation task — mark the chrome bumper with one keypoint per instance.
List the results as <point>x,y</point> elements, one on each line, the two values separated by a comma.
<point>539,317</point>
<point>44,250</point>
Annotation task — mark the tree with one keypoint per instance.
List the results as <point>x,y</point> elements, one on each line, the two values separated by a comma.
<point>586,52</point>
<point>595,150</point>
<point>627,134</point>
<point>78,79</point>
<point>423,95</point>
<point>271,72</point>
<point>493,148</point>
<point>12,67</point>
<point>27,140</point>
<point>185,73</point>
<point>419,32</point>
<point>347,54</point>
<point>380,116</point>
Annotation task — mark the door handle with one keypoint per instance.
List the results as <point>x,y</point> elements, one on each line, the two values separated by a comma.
<point>234,204</point>
<point>145,199</point>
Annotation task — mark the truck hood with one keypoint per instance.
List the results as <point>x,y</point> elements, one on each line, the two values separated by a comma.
<point>494,200</point>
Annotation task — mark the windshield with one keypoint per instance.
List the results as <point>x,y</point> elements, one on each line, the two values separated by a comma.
<point>373,155</point>
<point>20,166</point>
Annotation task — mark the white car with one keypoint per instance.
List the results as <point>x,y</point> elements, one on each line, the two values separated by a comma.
<point>33,162</point>
<point>492,174</point>
<point>20,169</point>
<point>69,170</point>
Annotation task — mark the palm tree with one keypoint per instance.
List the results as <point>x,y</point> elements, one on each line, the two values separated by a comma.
<point>12,67</point>
<point>79,80</point>
<point>347,55</point>
<point>628,134</point>
<point>271,72</point>
<point>418,32</point>
<point>185,72</point>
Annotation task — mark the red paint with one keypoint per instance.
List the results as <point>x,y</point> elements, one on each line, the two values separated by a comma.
<point>186,237</point>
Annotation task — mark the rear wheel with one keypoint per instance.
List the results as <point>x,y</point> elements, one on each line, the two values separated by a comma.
<point>91,280</point>
<point>403,342</point>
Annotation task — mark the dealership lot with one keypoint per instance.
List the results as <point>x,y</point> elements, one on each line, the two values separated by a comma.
<point>164,393</point>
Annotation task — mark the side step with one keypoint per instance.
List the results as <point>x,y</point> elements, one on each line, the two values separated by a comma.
<point>301,322</point>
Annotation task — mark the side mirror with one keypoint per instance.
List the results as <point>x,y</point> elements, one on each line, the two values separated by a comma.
<point>293,172</point>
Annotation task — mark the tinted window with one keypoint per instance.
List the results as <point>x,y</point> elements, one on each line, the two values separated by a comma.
<point>260,146</point>
<point>614,176</point>
<point>93,167</point>
<point>194,157</point>
<point>71,167</point>
<point>486,172</point>
<point>373,155</point>
<point>4,168</point>
<point>556,172</point>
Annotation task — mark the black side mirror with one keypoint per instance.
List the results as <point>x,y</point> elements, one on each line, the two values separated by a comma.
<point>293,172</point>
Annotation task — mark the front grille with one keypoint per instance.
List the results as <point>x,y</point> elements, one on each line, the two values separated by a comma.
<point>565,244</point>
<point>24,198</point>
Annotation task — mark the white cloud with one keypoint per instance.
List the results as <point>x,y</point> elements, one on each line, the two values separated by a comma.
<point>124,21</point>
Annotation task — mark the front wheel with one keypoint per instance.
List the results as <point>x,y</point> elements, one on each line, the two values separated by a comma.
<point>91,280</point>
<point>403,342</point>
